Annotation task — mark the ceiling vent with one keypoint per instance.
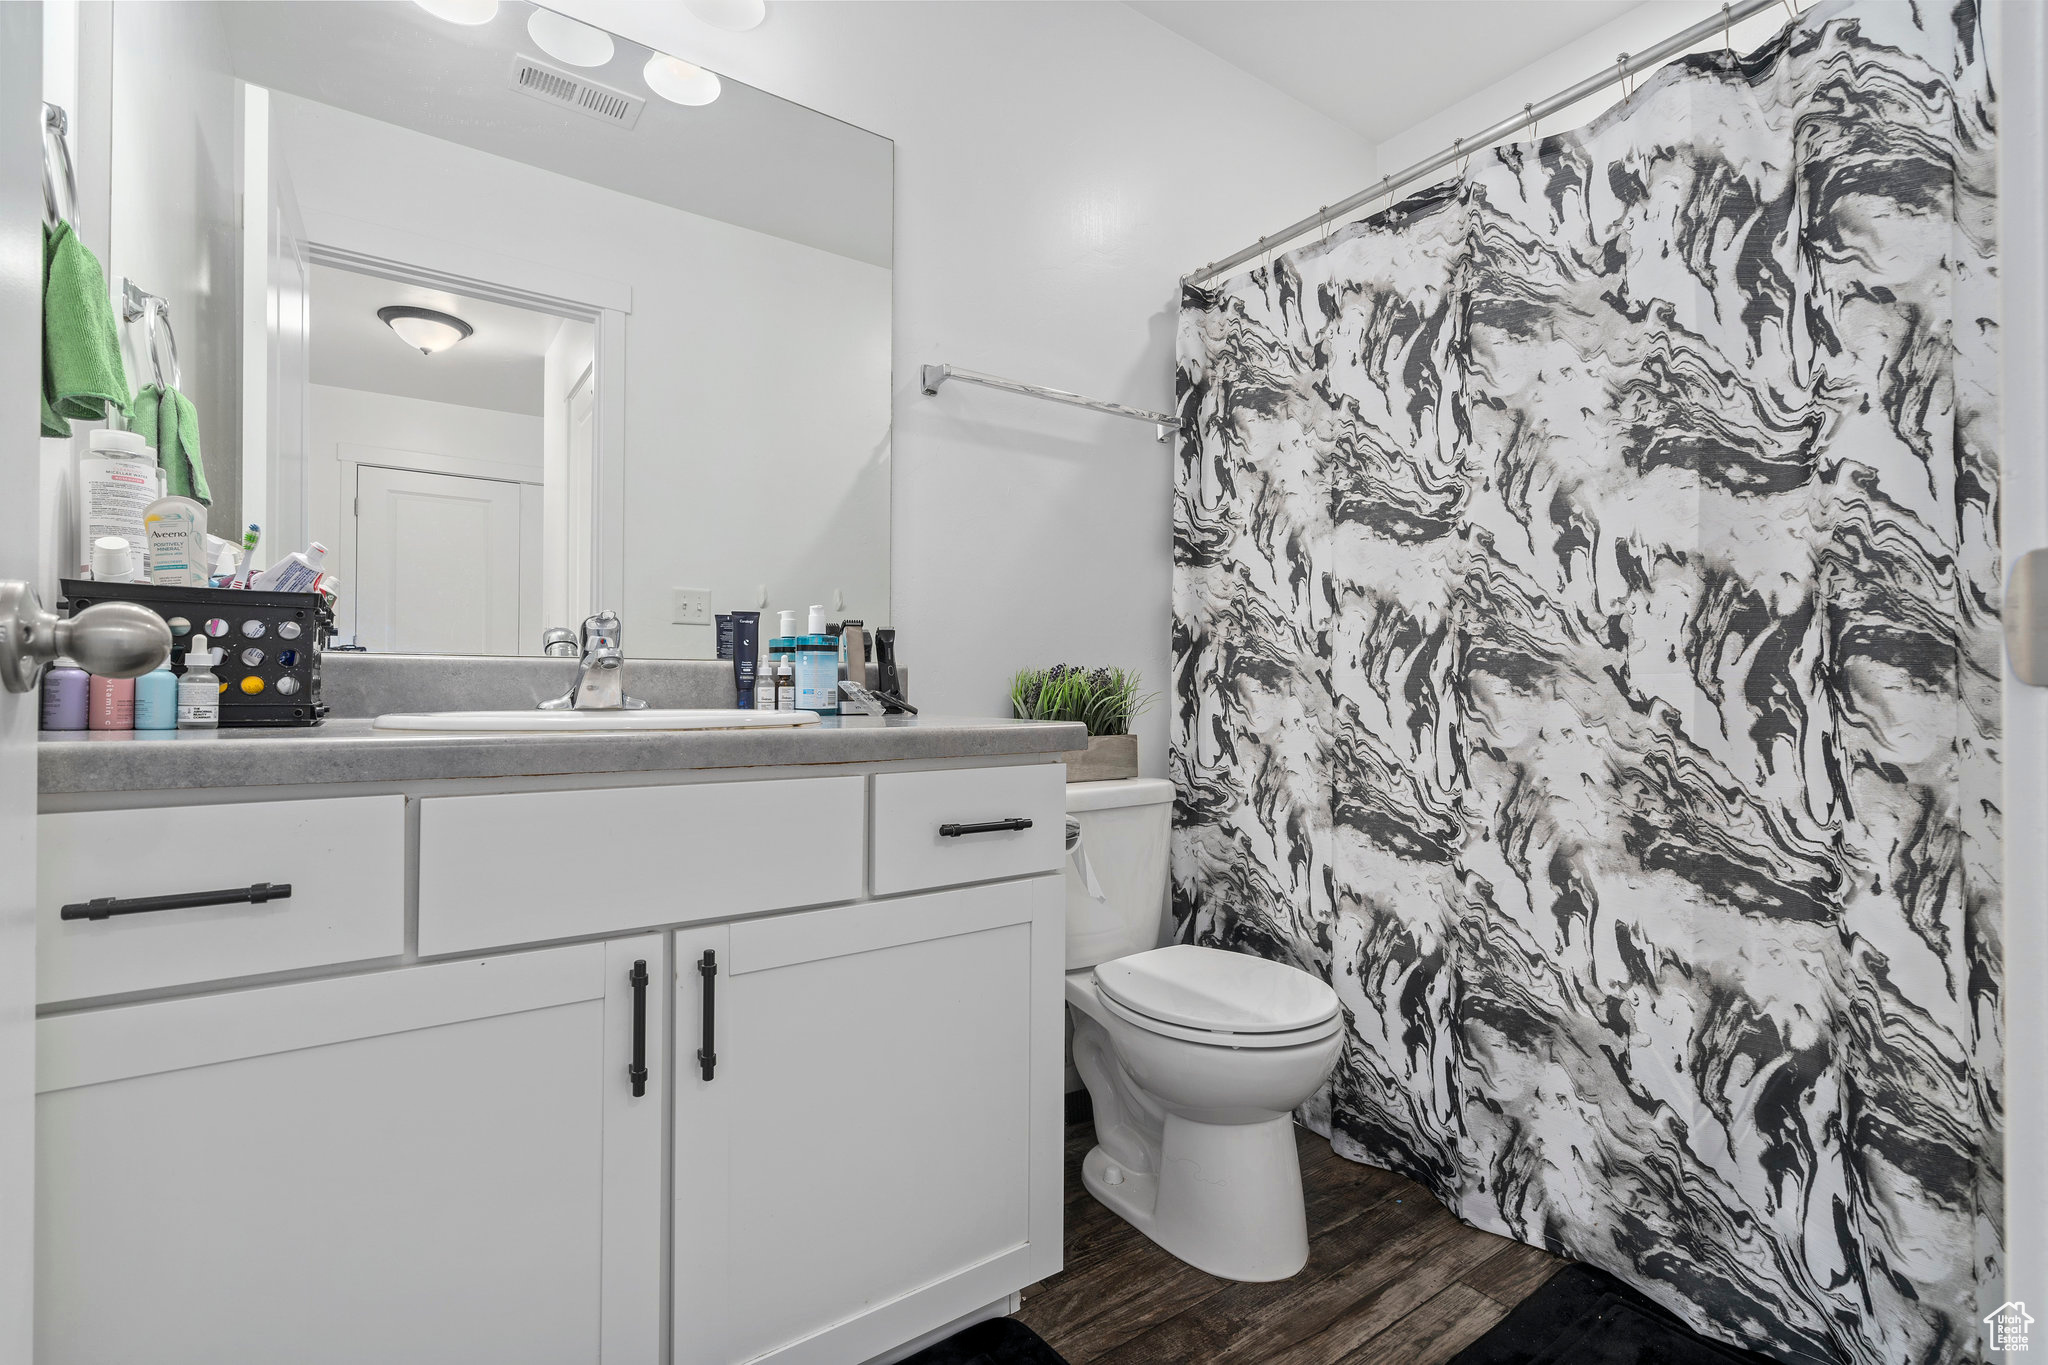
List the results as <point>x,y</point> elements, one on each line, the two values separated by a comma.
<point>531,76</point>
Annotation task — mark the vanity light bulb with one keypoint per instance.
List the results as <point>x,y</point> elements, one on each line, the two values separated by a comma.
<point>678,82</point>
<point>734,16</point>
<point>471,12</point>
<point>569,40</point>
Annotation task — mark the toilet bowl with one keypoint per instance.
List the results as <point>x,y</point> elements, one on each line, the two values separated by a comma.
<point>1194,1058</point>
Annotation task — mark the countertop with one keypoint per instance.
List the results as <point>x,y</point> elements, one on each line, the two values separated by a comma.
<point>349,750</point>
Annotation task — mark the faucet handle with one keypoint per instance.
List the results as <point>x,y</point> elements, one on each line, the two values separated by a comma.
<point>605,625</point>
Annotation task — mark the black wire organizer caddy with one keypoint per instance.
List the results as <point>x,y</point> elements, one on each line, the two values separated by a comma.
<point>269,642</point>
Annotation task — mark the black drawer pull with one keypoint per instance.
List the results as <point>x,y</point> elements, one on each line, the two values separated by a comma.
<point>985,827</point>
<point>637,1072</point>
<point>107,906</point>
<point>707,1055</point>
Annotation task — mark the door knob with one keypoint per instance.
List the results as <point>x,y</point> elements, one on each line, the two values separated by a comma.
<point>112,639</point>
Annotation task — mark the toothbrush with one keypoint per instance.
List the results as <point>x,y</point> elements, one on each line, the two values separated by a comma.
<point>250,538</point>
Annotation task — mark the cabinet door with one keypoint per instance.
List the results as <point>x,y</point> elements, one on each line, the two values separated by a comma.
<point>436,1163</point>
<point>877,1149</point>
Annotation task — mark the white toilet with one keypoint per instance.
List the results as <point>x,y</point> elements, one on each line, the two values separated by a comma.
<point>1195,1058</point>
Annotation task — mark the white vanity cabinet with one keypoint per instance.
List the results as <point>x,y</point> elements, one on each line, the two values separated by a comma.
<point>869,1146</point>
<point>392,1117</point>
<point>436,1163</point>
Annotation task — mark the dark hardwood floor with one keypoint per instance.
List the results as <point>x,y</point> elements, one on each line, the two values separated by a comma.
<point>1392,1279</point>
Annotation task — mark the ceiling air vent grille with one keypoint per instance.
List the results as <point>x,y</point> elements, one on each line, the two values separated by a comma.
<point>559,88</point>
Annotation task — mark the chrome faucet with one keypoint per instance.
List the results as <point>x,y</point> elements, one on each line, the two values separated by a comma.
<point>601,674</point>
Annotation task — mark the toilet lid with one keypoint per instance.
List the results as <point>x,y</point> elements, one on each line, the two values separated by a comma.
<point>1208,988</point>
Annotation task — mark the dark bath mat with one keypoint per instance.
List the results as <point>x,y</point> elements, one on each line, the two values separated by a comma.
<point>1584,1316</point>
<point>996,1341</point>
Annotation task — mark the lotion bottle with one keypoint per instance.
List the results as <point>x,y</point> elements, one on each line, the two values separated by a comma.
<point>111,703</point>
<point>156,700</point>
<point>65,685</point>
<point>175,530</point>
<point>817,668</point>
<point>199,689</point>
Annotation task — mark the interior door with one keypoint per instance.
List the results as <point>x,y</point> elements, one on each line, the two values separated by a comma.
<point>876,1152</point>
<point>438,557</point>
<point>435,1163</point>
<point>21,207</point>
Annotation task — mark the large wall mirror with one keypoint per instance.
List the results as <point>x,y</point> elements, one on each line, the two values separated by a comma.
<point>519,319</point>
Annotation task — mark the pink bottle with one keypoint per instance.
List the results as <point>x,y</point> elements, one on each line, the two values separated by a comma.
<point>111,705</point>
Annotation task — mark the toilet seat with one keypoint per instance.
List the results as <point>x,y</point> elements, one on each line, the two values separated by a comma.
<point>1225,999</point>
<point>1217,1037</point>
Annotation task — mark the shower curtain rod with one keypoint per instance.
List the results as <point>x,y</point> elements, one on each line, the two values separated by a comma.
<point>1627,65</point>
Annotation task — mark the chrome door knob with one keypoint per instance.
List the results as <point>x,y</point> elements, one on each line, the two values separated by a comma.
<point>112,639</point>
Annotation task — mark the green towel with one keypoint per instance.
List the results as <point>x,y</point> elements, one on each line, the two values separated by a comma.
<point>167,420</point>
<point>82,372</point>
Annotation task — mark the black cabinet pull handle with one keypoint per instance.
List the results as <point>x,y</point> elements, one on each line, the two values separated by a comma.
<point>107,906</point>
<point>707,1055</point>
<point>637,1072</point>
<point>985,827</point>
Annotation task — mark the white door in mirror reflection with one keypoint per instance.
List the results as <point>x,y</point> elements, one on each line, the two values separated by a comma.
<point>442,561</point>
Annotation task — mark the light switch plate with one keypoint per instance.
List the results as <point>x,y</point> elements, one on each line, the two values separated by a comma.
<point>692,607</point>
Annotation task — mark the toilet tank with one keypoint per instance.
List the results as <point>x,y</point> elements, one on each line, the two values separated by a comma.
<point>1124,830</point>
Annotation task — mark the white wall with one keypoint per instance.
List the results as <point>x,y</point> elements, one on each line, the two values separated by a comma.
<point>176,215</point>
<point>436,437</point>
<point>756,375</point>
<point>1058,167</point>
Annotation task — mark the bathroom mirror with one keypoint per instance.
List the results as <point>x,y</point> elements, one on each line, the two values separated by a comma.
<point>516,317</point>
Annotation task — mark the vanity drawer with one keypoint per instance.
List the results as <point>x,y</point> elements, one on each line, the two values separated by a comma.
<point>496,871</point>
<point>925,823</point>
<point>343,859</point>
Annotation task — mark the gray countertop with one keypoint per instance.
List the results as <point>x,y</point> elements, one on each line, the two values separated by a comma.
<point>349,750</point>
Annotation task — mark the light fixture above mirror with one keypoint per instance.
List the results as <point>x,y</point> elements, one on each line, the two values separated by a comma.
<point>467,12</point>
<point>569,40</point>
<point>734,16</point>
<point>424,329</point>
<point>678,81</point>
<point>575,43</point>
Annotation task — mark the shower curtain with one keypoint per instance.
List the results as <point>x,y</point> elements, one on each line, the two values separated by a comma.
<point>1586,659</point>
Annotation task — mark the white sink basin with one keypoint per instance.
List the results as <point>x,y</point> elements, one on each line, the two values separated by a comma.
<point>579,722</point>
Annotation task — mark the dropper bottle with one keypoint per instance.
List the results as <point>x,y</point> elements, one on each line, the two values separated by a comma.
<point>199,689</point>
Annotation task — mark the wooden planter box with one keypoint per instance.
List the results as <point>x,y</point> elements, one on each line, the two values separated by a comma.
<point>1106,758</point>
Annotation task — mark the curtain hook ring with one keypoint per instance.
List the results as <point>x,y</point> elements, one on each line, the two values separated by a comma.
<point>1530,110</point>
<point>1728,33</point>
<point>1621,61</point>
<point>1324,214</point>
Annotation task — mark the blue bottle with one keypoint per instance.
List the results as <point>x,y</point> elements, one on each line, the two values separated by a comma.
<point>156,700</point>
<point>817,668</point>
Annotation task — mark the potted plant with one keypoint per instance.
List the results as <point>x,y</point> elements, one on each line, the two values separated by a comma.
<point>1103,699</point>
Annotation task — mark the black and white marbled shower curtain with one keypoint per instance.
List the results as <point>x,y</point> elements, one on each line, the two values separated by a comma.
<point>1586,659</point>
